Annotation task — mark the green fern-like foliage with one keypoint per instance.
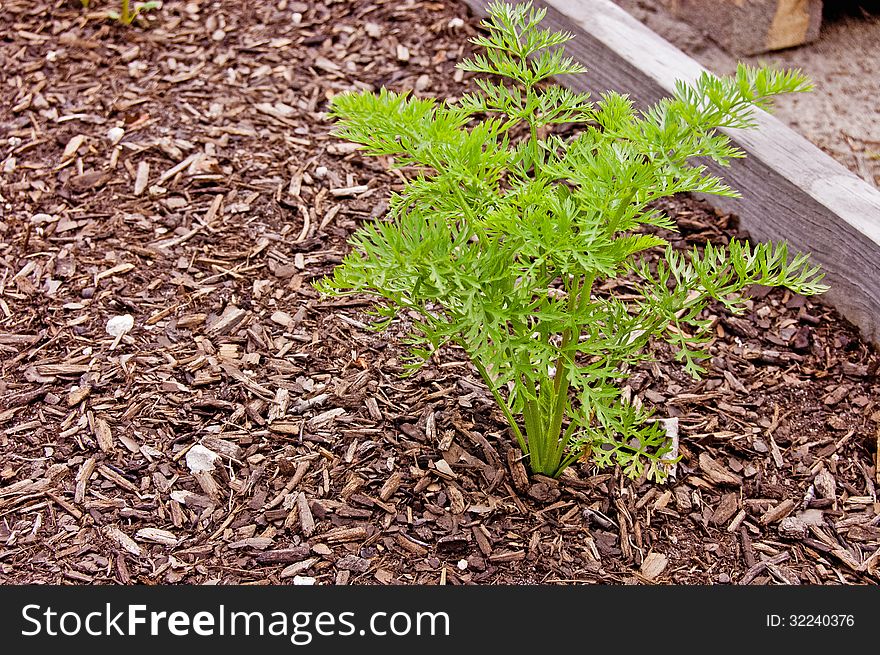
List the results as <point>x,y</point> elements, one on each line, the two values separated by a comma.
<point>498,242</point>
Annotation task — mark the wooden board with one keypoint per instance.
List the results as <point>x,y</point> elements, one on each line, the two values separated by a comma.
<point>746,27</point>
<point>791,190</point>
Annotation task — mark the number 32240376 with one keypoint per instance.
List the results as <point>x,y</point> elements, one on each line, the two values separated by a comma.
<point>810,621</point>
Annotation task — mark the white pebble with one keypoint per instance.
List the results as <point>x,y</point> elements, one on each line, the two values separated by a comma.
<point>200,459</point>
<point>115,134</point>
<point>455,23</point>
<point>321,172</point>
<point>119,325</point>
<point>373,30</point>
<point>136,67</point>
<point>303,580</point>
<point>462,564</point>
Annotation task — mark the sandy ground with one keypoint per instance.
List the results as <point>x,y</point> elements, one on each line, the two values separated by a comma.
<point>842,116</point>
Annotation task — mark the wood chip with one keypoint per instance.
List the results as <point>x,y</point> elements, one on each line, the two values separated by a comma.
<point>343,192</point>
<point>72,146</point>
<point>777,513</point>
<point>142,178</point>
<point>229,319</point>
<point>306,521</point>
<point>390,487</point>
<point>103,435</point>
<point>174,170</point>
<point>341,535</point>
<point>760,567</point>
<point>120,538</point>
<point>298,568</point>
<point>653,566</point>
<point>157,536</point>
<point>444,470</point>
<point>82,479</point>
<point>257,543</point>
<point>410,546</point>
<point>283,555</point>
<point>726,508</point>
<point>191,499</point>
<point>718,473</point>
<point>517,471</point>
<point>223,447</point>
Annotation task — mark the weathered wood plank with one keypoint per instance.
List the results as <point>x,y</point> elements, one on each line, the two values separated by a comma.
<point>791,190</point>
<point>753,26</point>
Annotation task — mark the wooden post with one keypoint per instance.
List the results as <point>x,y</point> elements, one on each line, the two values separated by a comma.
<point>792,191</point>
<point>746,27</point>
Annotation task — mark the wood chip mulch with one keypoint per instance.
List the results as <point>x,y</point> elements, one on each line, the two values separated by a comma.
<point>177,404</point>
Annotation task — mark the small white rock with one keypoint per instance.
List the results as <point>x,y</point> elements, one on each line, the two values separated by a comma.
<point>115,134</point>
<point>200,459</point>
<point>136,68</point>
<point>456,23</point>
<point>119,325</point>
<point>303,580</point>
<point>462,564</point>
<point>321,172</point>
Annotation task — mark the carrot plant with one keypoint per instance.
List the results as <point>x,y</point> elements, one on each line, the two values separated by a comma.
<point>498,243</point>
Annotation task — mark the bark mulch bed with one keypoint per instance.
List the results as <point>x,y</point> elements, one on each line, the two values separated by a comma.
<point>182,175</point>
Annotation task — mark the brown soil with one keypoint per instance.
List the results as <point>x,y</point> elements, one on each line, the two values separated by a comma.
<point>206,223</point>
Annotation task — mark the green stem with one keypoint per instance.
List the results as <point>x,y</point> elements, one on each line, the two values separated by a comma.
<point>533,131</point>
<point>534,431</point>
<point>538,155</point>
<point>554,440</point>
<point>469,214</point>
<point>465,207</point>
<point>559,455</point>
<point>615,220</point>
<point>561,381</point>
